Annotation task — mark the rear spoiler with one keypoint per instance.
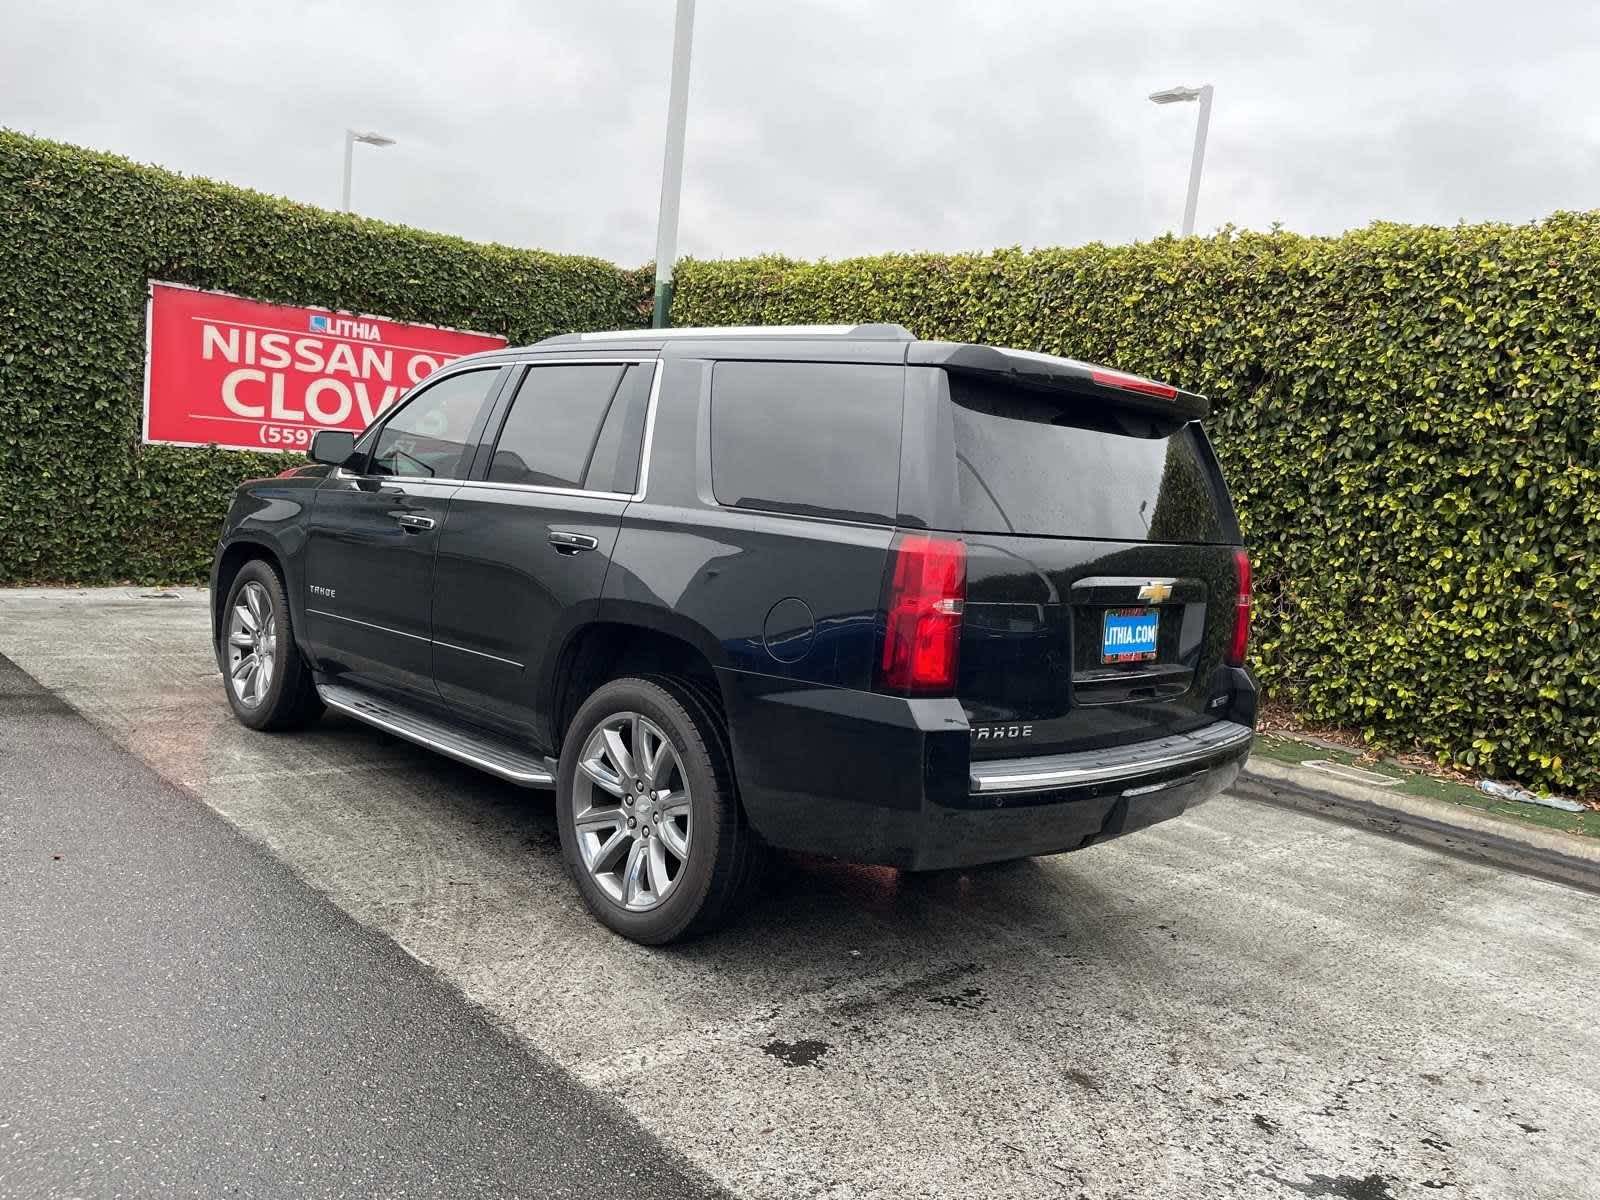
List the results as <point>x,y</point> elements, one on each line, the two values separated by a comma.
<point>1026,368</point>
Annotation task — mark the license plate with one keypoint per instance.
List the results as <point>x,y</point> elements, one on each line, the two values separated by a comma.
<point>1129,635</point>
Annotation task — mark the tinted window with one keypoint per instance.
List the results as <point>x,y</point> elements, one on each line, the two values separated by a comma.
<point>428,437</point>
<point>614,466</point>
<point>550,433</point>
<point>1033,463</point>
<point>818,438</point>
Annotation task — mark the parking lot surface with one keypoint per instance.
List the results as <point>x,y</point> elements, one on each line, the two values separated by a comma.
<point>185,1017</point>
<point>1245,1002</point>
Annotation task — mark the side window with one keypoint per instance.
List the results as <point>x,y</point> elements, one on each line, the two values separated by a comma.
<point>428,437</point>
<point>614,465</point>
<point>552,435</point>
<point>819,438</point>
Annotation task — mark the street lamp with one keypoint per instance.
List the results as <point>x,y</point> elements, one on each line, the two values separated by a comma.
<point>1179,95</point>
<point>672,162</point>
<point>351,137</point>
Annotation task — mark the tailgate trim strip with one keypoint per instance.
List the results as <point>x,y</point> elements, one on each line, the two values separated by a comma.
<point>1085,767</point>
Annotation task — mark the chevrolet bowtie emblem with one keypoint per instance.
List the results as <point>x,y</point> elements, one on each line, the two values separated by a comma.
<point>1155,593</point>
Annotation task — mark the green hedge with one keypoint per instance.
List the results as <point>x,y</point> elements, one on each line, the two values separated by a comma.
<point>1408,416</point>
<point>81,499</point>
<point>1408,421</point>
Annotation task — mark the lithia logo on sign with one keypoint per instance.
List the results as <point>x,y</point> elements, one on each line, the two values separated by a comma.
<point>1001,733</point>
<point>365,331</point>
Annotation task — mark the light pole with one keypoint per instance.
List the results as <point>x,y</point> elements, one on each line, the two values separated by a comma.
<point>672,162</point>
<point>1177,95</point>
<point>351,137</point>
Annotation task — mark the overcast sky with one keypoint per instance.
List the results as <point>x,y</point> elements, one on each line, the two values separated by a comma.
<point>822,128</point>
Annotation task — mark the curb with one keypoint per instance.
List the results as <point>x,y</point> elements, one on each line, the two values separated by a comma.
<point>1435,823</point>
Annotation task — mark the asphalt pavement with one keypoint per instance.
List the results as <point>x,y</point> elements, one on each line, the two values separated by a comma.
<point>1246,1002</point>
<point>186,1017</point>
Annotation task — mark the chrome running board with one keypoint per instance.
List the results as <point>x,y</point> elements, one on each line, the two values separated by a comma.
<point>476,749</point>
<point>1218,741</point>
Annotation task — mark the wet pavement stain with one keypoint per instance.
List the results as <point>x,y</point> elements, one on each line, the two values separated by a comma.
<point>908,988</point>
<point>1343,1187</point>
<point>970,999</point>
<point>805,1053</point>
<point>1084,1080</point>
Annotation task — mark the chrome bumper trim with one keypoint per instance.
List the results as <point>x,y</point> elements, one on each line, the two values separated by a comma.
<point>1087,767</point>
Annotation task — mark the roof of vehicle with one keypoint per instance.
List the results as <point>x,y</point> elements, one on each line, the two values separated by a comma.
<point>880,343</point>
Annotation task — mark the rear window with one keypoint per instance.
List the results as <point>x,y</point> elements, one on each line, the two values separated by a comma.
<point>815,438</point>
<point>1036,463</point>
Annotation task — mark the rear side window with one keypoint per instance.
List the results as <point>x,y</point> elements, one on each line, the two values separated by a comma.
<point>812,438</point>
<point>614,465</point>
<point>550,434</point>
<point>1037,463</point>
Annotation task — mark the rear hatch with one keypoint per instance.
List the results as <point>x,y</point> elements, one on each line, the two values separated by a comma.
<point>1102,579</point>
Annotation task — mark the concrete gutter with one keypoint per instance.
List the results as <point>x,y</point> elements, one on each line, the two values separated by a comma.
<point>1451,827</point>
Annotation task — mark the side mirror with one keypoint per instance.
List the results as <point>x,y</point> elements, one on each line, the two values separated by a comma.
<point>332,446</point>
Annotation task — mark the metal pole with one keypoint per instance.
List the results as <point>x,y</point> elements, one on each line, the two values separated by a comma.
<point>1201,125</point>
<point>672,164</point>
<point>349,154</point>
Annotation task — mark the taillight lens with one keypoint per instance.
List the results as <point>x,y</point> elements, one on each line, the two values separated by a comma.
<point>1122,381</point>
<point>1241,611</point>
<point>926,594</point>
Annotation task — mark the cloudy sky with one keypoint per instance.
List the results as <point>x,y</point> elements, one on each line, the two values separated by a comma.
<point>830,127</point>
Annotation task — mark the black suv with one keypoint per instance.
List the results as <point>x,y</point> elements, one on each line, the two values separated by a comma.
<point>829,589</point>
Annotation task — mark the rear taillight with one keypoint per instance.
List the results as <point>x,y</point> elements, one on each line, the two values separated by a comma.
<point>926,594</point>
<point>1241,611</point>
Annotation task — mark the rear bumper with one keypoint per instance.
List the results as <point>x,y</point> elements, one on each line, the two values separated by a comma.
<point>1096,803</point>
<point>1090,768</point>
<point>885,780</point>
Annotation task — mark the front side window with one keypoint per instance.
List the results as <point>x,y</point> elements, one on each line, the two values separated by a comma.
<point>575,425</point>
<point>428,438</point>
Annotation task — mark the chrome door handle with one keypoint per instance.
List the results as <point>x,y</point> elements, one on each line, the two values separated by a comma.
<point>412,521</point>
<point>572,543</point>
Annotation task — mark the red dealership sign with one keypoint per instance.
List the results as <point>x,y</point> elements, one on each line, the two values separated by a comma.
<point>224,370</point>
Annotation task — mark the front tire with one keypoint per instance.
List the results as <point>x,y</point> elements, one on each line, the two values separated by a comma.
<point>651,826</point>
<point>269,685</point>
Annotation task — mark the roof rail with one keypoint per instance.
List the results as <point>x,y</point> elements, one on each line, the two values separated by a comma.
<point>868,332</point>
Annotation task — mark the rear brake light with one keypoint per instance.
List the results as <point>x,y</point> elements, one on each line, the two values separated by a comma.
<point>1241,611</point>
<point>926,594</point>
<point>1132,383</point>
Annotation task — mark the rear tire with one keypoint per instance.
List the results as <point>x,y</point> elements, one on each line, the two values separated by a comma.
<point>268,683</point>
<point>651,862</point>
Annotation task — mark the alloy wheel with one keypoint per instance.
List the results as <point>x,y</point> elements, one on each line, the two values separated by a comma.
<point>631,812</point>
<point>252,645</point>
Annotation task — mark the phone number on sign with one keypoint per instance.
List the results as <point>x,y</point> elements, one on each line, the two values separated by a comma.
<point>293,436</point>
